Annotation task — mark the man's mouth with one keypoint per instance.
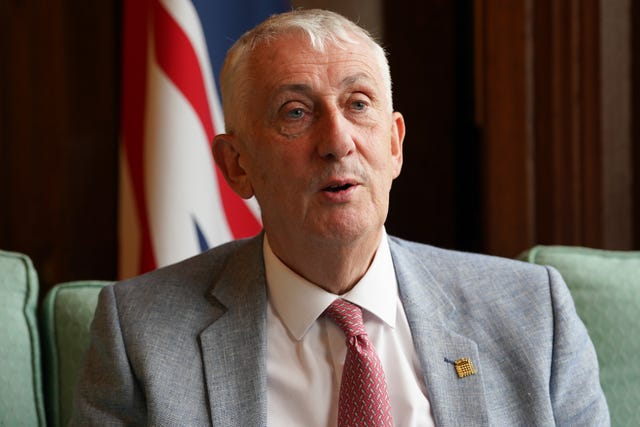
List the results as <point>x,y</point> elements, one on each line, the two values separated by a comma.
<point>337,188</point>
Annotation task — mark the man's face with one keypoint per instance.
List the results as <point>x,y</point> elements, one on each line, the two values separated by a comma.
<point>317,141</point>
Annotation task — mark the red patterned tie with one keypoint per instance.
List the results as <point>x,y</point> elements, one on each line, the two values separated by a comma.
<point>364,400</point>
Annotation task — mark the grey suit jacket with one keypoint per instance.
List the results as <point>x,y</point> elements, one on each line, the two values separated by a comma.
<point>185,345</point>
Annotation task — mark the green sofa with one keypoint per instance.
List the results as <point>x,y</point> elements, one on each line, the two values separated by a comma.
<point>36,391</point>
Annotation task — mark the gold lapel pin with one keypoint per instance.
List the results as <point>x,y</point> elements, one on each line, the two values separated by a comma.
<point>464,367</point>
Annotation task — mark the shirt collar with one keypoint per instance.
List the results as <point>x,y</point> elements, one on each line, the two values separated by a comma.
<point>299,302</point>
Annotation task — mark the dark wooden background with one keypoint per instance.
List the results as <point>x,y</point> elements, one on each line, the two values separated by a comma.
<point>523,127</point>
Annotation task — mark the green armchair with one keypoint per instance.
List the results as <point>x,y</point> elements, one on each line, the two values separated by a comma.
<point>605,286</point>
<point>67,312</point>
<point>21,398</point>
<point>35,390</point>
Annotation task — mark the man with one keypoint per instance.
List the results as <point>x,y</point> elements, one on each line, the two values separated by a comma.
<point>237,336</point>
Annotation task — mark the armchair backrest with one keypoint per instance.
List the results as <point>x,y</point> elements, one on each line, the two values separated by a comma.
<point>67,312</point>
<point>21,398</point>
<point>605,286</point>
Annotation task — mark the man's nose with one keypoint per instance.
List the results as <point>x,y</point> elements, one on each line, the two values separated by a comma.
<point>335,136</point>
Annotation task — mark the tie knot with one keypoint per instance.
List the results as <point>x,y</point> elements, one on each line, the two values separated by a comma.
<point>347,316</point>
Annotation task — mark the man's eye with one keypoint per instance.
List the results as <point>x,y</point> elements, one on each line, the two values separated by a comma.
<point>359,105</point>
<point>296,113</point>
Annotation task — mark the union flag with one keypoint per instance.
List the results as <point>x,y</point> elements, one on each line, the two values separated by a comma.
<point>174,202</point>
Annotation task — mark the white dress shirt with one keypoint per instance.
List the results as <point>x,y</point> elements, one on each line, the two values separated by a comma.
<point>306,352</point>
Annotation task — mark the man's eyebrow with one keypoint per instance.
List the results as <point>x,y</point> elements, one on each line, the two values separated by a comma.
<point>356,78</point>
<point>294,87</point>
<point>305,88</point>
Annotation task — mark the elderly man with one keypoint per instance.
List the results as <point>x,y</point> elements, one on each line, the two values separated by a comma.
<point>252,333</point>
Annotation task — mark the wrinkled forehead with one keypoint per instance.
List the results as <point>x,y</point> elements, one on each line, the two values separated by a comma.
<point>295,52</point>
<point>297,40</point>
<point>297,46</point>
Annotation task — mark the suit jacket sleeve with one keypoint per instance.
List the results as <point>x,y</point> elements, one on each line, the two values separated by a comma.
<point>108,392</point>
<point>576,395</point>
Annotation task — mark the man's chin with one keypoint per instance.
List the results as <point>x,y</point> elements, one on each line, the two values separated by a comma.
<point>347,232</point>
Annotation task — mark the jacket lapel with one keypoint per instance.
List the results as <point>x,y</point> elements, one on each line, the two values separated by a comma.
<point>234,345</point>
<point>439,343</point>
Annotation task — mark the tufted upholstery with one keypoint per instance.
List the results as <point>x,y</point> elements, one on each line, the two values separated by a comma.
<point>21,399</point>
<point>67,312</point>
<point>605,286</point>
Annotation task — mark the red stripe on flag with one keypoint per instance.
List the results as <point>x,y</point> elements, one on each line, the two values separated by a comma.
<point>178,59</point>
<point>134,84</point>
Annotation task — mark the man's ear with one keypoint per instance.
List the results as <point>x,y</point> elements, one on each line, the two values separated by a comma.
<point>227,157</point>
<point>397,138</point>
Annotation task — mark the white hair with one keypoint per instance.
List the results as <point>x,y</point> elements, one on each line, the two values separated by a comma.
<point>320,26</point>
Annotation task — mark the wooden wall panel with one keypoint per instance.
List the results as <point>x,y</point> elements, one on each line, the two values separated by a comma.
<point>58,136</point>
<point>568,191</point>
<point>504,113</point>
<point>616,110</point>
<point>635,118</point>
<point>420,38</point>
<point>553,80</point>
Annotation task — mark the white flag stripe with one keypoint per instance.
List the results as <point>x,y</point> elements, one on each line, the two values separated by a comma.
<point>187,18</point>
<point>180,180</point>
